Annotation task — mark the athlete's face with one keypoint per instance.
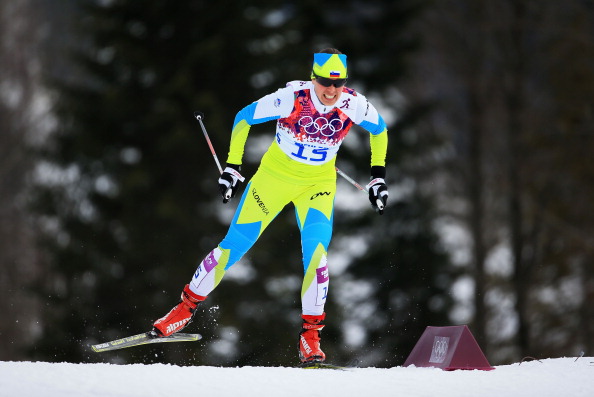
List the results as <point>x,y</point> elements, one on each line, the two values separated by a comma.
<point>327,95</point>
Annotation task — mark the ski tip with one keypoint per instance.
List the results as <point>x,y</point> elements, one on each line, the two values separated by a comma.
<point>102,347</point>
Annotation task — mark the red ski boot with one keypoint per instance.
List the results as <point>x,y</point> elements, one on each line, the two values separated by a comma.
<point>181,315</point>
<point>309,339</point>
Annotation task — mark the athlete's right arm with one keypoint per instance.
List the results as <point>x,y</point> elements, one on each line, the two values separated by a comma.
<point>270,107</point>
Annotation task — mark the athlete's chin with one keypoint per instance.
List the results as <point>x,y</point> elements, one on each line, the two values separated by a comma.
<point>329,101</point>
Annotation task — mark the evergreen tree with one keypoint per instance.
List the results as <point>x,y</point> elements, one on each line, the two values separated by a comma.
<point>136,206</point>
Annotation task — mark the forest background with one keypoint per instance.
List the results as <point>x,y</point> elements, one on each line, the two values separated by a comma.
<point>108,194</point>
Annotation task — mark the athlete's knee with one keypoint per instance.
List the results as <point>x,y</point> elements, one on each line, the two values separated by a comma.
<point>317,229</point>
<point>239,239</point>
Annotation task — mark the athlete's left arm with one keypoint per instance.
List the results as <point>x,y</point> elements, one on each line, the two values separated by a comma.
<point>368,117</point>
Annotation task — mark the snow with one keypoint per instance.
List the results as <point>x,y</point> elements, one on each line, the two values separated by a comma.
<point>551,377</point>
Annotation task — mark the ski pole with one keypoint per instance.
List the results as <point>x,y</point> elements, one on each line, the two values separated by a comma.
<point>199,116</point>
<point>379,202</point>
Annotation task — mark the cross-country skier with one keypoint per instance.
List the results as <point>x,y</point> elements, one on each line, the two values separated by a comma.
<point>312,119</point>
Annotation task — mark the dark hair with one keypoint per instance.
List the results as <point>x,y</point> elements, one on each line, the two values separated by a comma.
<point>330,51</point>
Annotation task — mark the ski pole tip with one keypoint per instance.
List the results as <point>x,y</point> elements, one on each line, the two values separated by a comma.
<point>198,114</point>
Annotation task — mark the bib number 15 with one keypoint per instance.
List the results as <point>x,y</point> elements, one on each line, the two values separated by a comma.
<point>308,153</point>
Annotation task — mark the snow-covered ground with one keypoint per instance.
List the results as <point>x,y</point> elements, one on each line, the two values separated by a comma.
<point>562,377</point>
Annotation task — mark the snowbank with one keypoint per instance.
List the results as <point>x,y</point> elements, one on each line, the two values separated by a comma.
<point>552,377</point>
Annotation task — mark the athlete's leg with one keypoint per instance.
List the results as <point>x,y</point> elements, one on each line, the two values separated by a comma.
<point>315,209</point>
<point>262,200</point>
<point>264,197</point>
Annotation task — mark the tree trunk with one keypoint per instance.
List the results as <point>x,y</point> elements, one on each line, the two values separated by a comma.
<point>515,106</point>
<point>475,193</point>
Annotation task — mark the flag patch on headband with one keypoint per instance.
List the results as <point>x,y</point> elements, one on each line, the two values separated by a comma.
<point>334,73</point>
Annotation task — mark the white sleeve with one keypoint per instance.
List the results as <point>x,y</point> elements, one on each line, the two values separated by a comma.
<point>368,117</point>
<point>275,105</point>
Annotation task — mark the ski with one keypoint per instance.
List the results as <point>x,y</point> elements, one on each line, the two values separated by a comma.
<point>319,365</point>
<point>144,339</point>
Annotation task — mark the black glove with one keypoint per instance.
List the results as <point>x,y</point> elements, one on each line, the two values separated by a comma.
<point>377,188</point>
<point>229,181</point>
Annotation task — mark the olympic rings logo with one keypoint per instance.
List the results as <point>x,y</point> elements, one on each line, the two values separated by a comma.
<point>440,349</point>
<point>322,125</point>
